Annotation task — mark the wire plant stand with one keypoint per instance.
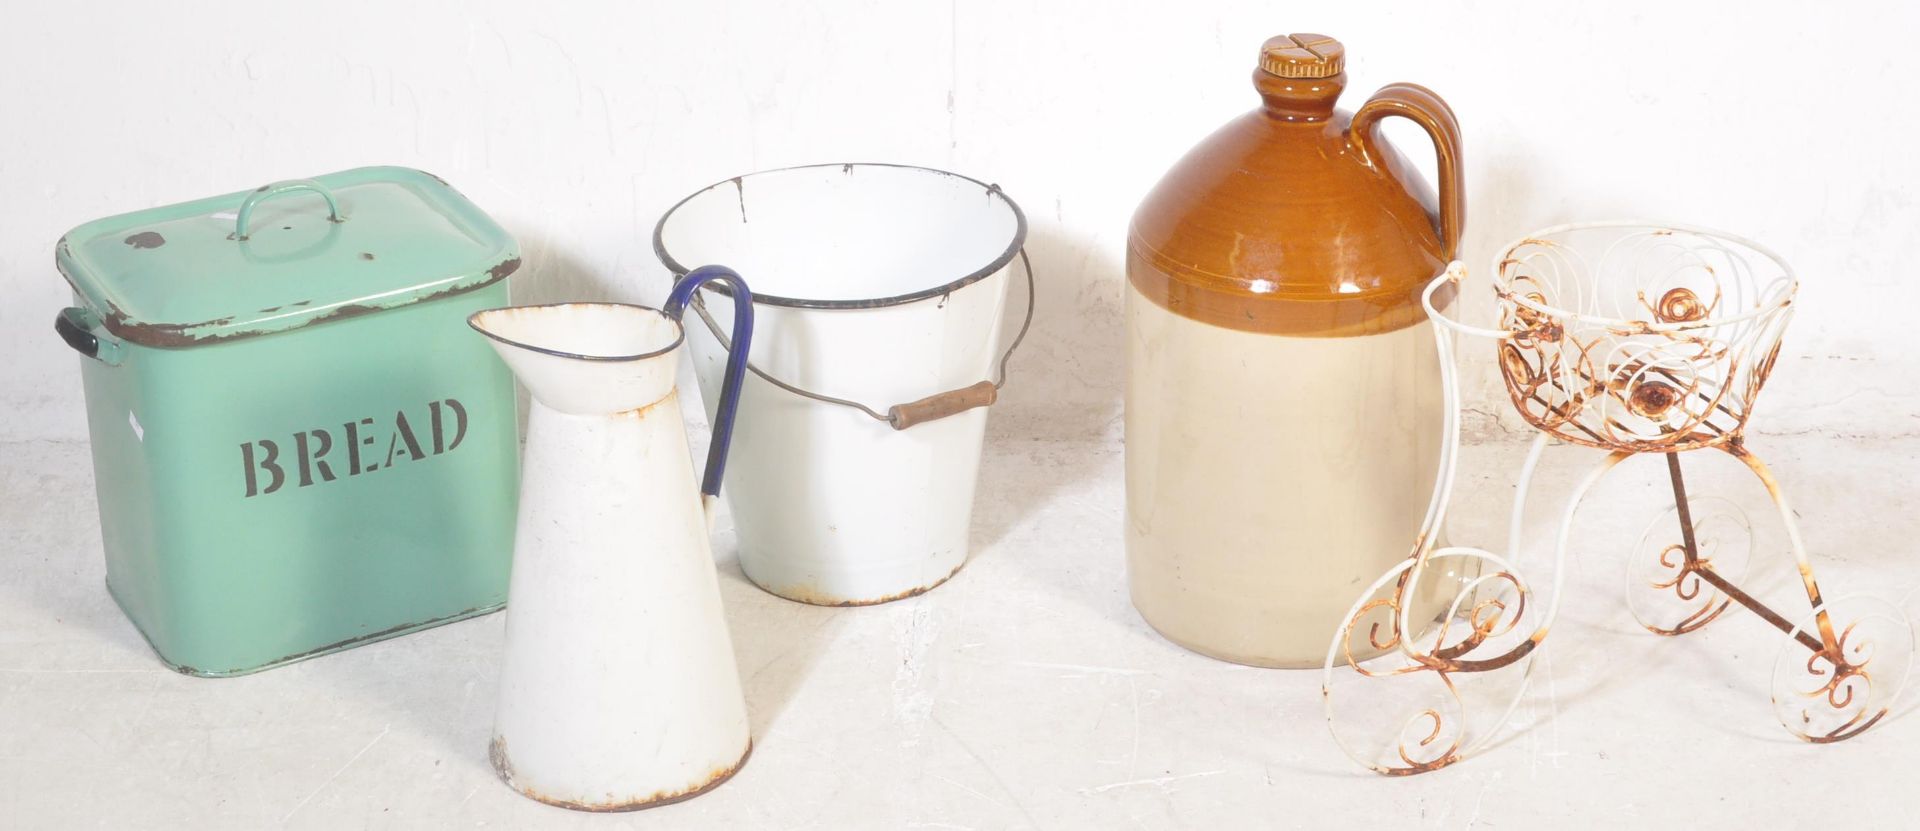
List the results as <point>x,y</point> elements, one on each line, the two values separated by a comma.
<point>1631,338</point>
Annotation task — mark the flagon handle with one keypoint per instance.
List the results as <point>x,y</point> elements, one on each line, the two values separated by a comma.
<point>1431,112</point>
<point>676,306</point>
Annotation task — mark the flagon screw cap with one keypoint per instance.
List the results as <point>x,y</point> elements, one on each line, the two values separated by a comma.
<point>1303,56</point>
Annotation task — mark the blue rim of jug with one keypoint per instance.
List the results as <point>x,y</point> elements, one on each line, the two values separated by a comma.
<point>679,330</point>
<point>1013,248</point>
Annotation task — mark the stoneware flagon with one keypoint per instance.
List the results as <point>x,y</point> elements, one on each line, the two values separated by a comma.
<point>297,448</point>
<point>1282,416</point>
<point>879,292</point>
<point>618,690</point>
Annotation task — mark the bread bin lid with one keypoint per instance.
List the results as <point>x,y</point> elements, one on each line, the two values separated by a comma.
<point>283,256</point>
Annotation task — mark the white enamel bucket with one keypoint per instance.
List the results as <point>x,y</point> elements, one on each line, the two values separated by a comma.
<point>878,293</point>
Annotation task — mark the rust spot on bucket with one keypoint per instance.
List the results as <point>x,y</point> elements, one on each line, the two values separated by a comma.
<point>641,412</point>
<point>813,597</point>
<point>146,239</point>
<point>502,765</point>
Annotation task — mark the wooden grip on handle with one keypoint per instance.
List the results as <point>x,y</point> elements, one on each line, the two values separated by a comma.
<point>936,407</point>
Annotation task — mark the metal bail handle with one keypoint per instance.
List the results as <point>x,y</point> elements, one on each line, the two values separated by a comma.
<point>244,221</point>
<point>676,306</point>
<point>899,416</point>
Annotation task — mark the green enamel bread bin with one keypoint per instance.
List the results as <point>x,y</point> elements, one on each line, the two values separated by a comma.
<point>298,445</point>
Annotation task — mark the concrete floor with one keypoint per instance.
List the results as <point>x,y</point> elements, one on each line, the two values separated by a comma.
<point>1026,693</point>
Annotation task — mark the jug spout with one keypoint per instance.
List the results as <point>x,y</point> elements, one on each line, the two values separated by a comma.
<point>586,358</point>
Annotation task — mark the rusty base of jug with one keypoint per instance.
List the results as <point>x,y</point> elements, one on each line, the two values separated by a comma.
<point>497,753</point>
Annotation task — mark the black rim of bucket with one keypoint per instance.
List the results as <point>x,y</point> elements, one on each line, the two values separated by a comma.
<point>1000,262</point>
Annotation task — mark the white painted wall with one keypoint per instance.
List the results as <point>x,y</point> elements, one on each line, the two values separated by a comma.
<point>577,123</point>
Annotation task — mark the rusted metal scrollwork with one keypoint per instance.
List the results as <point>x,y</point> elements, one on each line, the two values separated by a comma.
<point>1673,574</point>
<point>1836,693</point>
<point>1660,343</point>
<point>1629,338</point>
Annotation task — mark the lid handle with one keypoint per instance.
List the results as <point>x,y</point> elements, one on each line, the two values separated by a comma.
<point>245,221</point>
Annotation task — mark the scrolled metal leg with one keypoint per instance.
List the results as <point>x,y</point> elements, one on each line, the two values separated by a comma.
<point>1842,665</point>
<point>1406,710</point>
<point>1402,710</point>
<point>1834,694</point>
<point>1668,585</point>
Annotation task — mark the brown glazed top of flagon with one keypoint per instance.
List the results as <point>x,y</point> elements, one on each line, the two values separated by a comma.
<point>1298,218</point>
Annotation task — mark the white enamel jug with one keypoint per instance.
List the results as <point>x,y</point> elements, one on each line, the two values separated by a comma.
<point>618,689</point>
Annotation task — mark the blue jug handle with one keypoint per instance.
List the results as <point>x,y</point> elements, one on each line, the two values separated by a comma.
<point>677,301</point>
